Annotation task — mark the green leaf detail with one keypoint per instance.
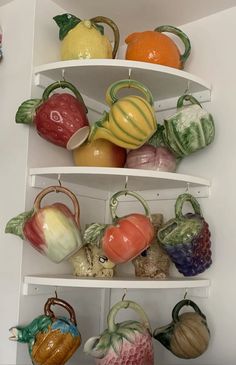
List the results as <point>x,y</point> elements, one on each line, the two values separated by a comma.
<point>117,343</point>
<point>16,224</point>
<point>94,233</point>
<point>157,139</point>
<point>133,325</point>
<point>65,22</point>
<point>127,333</point>
<point>27,110</point>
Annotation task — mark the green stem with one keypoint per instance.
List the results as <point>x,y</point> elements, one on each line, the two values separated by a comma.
<point>125,304</point>
<point>180,202</point>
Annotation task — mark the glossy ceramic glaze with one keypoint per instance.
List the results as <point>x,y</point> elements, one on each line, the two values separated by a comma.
<point>85,39</point>
<point>101,153</point>
<point>51,340</point>
<point>186,238</point>
<point>131,120</point>
<point>188,335</point>
<point>190,129</point>
<point>156,47</point>
<point>53,230</point>
<point>125,343</point>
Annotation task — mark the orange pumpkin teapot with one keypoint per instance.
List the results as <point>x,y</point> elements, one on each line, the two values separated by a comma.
<point>156,47</point>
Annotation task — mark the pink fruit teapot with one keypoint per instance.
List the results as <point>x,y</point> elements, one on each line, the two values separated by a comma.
<point>125,343</point>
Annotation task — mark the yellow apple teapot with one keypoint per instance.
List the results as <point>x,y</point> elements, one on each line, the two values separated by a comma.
<point>86,39</point>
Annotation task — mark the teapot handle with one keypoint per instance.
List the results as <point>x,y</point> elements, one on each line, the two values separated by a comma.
<point>111,97</point>
<point>186,198</point>
<point>114,203</point>
<point>187,97</point>
<point>63,84</point>
<point>56,301</point>
<point>184,38</point>
<point>181,304</point>
<point>102,19</point>
<point>125,304</point>
<point>57,189</point>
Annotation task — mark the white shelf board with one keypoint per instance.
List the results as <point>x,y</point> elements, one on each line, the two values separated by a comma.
<point>111,179</point>
<point>116,282</point>
<point>92,77</point>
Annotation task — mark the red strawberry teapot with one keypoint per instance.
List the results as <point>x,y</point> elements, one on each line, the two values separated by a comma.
<point>128,236</point>
<point>60,118</point>
<point>52,230</point>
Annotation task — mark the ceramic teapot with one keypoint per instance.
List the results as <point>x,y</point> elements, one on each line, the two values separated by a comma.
<point>86,39</point>
<point>125,343</point>
<point>51,340</point>
<point>156,47</point>
<point>127,236</point>
<point>53,230</point>
<point>186,238</point>
<point>190,129</point>
<point>57,117</point>
<point>131,120</point>
<point>187,336</point>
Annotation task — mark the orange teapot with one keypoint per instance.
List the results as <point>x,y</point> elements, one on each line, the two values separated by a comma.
<point>156,47</point>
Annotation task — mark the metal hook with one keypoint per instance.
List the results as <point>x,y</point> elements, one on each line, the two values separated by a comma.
<point>126,183</point>
<point>130,72</point>
<point>187,90</point>
<point>187,187</point>
<point>123,296</point>
<point>56,293</point>
<point>59,179</point>
<point>186,293</point>
<point>63,74</point>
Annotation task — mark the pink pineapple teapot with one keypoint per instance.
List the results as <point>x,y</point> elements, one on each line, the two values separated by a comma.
<point>125,343</point>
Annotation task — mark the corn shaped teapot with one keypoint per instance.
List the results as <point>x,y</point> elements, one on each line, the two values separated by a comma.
<point>127,236</point>
<point>190,129</point>
<point>53,230</point>
<point>156,47</point>
<point>187,336</point>
<point>125,343</point>
<point>51,340</point>
<point>131,120</point>
<point>86,39</point>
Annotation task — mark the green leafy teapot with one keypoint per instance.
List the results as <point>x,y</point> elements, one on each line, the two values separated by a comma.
<point>190,129</point>
<point>86,39</point>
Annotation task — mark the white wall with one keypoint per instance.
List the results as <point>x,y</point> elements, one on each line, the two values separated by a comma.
<point>16,21</point>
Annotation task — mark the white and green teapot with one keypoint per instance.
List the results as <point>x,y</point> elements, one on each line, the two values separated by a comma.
<point>190,129</point>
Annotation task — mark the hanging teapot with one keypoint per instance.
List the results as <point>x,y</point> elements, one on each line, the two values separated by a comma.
<point>125,343</point>
<point>186,238</point>
<point>51,340</point>
<point>53,230</point>
<point>187,336</point>
<point>131,120</point>
<point>58,118</point>
<point>86,39</point>
<point>127,236</point>
<point>156,47</point>
<point>190,129</point>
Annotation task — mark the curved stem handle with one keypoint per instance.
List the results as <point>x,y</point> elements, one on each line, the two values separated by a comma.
<point>62,303</point>
<point>186,198</point>
<point>184,38</point>
<point>125,304</point>
<point>63,84</point>
<point>57,189</point>
<point>114,203</point>
<point>111,97</point>
<point>181,304</point>
<point>187,97</point>
<point>113,26</point>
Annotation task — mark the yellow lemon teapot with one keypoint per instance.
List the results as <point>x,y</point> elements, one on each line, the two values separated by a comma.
<point>131,120</point>
<point>86,39</point>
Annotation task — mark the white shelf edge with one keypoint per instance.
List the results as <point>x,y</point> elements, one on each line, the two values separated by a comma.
<point>119,172</point>
<point>121,63</point>
<point>115,283</point>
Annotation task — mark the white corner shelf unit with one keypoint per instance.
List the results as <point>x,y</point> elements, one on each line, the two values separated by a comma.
<point>165,83</point>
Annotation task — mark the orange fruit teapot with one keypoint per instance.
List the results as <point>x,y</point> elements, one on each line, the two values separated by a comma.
<point>156,47</point>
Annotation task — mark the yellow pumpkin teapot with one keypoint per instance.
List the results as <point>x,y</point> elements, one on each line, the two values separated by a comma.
<point>86,39</point>
<point>131,120</point>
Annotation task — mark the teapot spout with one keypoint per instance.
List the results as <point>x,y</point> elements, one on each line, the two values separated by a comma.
<point>163,335</point>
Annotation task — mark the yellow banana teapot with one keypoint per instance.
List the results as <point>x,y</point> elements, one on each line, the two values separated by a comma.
<point>86,39</point>
<point>131,120</point>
